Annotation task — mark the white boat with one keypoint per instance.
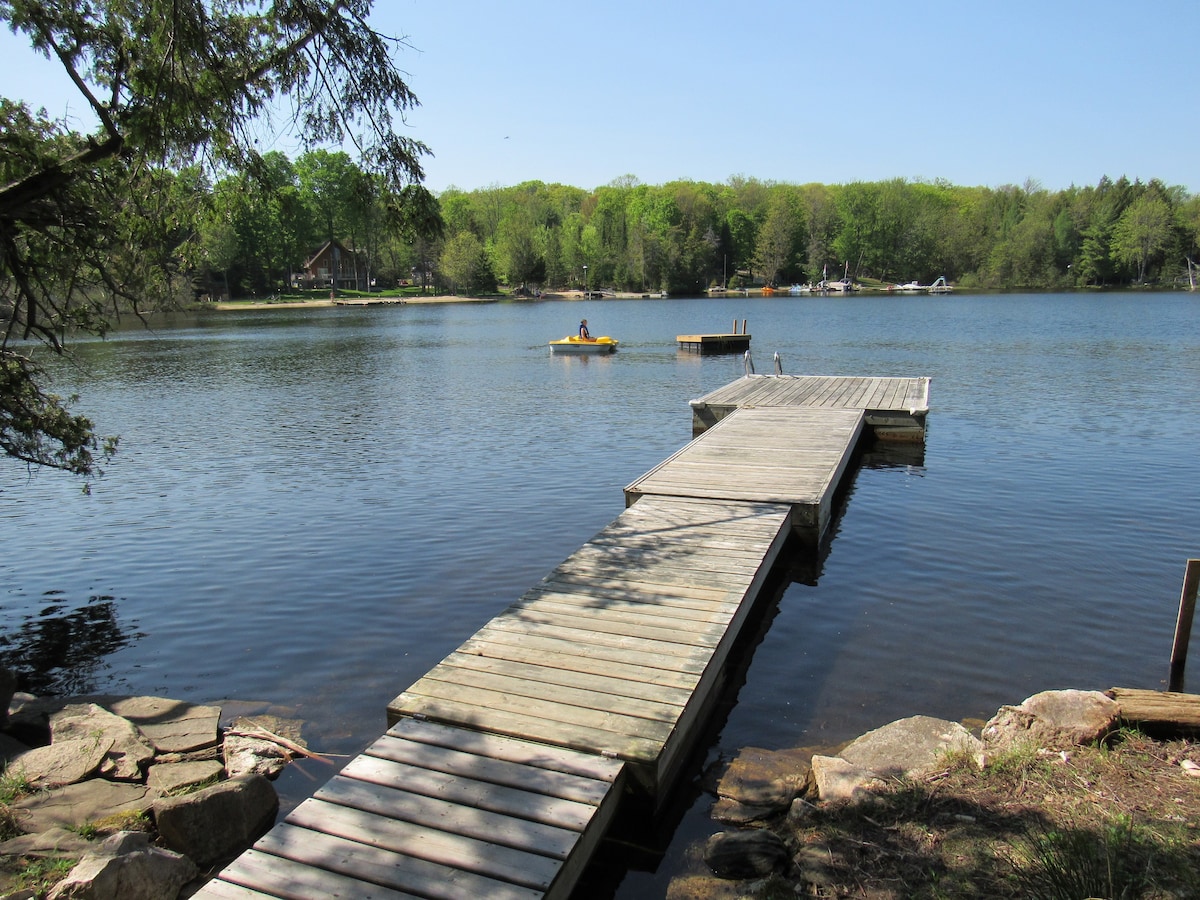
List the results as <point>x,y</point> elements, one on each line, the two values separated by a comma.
<point>940,286</point>
<point>717,289</point>
<point>837,286</point>
<point>797,289</point>
<point>912,287</point>
<point>577,345</point>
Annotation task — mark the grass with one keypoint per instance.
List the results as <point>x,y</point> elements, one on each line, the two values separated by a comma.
<point>1112,821</point>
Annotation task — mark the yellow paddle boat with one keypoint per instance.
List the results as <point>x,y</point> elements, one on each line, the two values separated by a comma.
<point>576,344</point>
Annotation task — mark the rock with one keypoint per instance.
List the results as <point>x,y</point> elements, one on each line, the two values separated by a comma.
<point>126,867</point>
<point>765,777</point>
<point>57,841</point>
<point>733,813</point>
<point>218,822</point>
<point>833,778</point>
<point>745,854</point>
<point>167,778</point>
<point>911,747</point>
<point>171,726</point>
<point>1053,720</point>
<point>63,762</point>
<point>128,754</point>
<point>91,801</point>
<point>254,756</point>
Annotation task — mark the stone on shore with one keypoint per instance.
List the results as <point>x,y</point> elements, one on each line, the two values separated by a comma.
<point>745,854</point>
<point>911,747</point>
<point>1053,720</point>
<point>91,801</point>
<point>128,754</point>
<point>172,726</point>
<point>167,778</point>
<point>64,762</point>
<point>758,784</point>
<point>126,867</point>
<point>218,822</point>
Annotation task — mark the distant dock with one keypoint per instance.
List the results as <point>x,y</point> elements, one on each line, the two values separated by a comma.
<point>504,765</point>
<point>731,342</point>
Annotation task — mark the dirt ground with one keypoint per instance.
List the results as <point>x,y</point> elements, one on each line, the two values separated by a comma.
<point>1115,822</point>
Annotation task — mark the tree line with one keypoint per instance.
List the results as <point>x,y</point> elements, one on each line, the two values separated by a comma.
<point>685,236</point>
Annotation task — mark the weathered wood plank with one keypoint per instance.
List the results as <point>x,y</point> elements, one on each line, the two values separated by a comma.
<point>514,802</point>
<point>534,756</point>
<point>537,687</point>
<point>1159,713</point>
<point>507,864</point>
<point>345,857</point>
<point>615,726</point>
<point>436,812</point>
<point>224,890</point>
<point>298,880</point>
<point>607,656</point>
<point>562,656</point>
<point>482,713</point>
<point>489,770</point>
<point>605,683</point>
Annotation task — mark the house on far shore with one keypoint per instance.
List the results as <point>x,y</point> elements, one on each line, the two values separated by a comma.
<point>333,266</point>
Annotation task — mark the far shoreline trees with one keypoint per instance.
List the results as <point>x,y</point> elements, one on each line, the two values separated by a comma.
<point>685,236</point>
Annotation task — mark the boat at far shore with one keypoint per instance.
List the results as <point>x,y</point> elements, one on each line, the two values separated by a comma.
<point>575,344</point>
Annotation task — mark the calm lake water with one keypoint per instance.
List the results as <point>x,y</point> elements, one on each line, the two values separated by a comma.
<point>311,508</point>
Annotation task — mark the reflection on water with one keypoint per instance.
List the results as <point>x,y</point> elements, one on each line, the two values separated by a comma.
<point>312,508</point>
<point>60,651</point>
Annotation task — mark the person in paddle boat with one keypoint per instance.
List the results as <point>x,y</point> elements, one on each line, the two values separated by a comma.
<point>584,334</point>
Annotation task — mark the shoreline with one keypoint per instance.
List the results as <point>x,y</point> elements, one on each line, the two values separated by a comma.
<point>226,305</point>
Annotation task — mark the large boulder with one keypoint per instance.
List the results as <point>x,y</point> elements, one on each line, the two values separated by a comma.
<point>126,867</point>
<point>217,823</point>
<point>745,854</point>
<point>911,747</point>
<point>1053,720</point>
<point>759,783</point>
<point>833,778</point>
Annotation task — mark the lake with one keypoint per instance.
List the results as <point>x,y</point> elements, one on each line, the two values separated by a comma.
<point>310,508</point>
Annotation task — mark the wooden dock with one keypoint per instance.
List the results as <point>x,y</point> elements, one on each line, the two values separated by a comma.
<point>791,456</point>
<point>504,764</point>
<point>725,342</point>
<point>895,408</point>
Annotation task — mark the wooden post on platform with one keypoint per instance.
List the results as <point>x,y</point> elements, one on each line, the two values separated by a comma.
<point>1183,624</point>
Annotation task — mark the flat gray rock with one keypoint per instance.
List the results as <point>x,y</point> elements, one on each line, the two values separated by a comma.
<point>79,804</point>
<point>166,778</point>
<point>63,762</point>
<point>911,747</point>
<point>172,726</point>
<point>129,753</point>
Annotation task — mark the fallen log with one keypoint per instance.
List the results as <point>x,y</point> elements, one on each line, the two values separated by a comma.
<point>1160,714</point>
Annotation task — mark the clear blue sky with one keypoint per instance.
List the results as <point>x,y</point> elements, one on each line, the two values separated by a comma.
<point>990,92</point>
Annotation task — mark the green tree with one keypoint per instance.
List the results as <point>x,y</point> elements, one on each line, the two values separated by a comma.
<point>1143,232</point>
<point>169,82</point>
<point>466,266</point>
<point>776,246</point>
